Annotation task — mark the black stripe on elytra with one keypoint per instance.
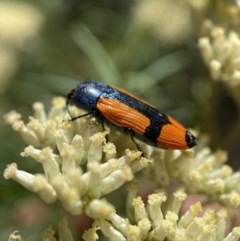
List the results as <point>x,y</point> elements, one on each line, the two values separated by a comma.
<point>157,118</point>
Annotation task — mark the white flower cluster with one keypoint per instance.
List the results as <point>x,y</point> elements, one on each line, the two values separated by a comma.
<point>48,235</point>
<point>152,15</point>
<point>81,167</point>
<point>202,172</point>
<point>20,25</point>
<point>152,223</point>
<point>63,177</point>
<point>221,53</point>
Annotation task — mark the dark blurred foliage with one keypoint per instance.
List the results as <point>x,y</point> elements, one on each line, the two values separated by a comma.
<point>82,40</point>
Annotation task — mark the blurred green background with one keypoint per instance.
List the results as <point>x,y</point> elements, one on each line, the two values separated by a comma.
<point>146,47</point>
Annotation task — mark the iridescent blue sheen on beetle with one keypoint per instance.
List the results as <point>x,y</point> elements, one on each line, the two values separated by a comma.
<point>124,110</point>
<point>85,95</point>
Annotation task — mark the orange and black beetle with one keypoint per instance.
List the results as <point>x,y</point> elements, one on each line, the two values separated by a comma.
<point>134,115</point>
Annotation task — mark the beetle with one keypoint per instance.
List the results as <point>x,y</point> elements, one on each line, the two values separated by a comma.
<point>135,116</point>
